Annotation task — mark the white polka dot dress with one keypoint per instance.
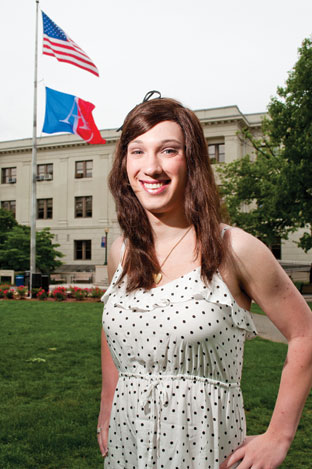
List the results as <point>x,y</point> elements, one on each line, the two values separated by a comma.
<point>179,352</point>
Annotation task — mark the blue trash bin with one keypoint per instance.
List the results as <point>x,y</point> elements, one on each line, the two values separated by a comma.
<point>19,281</point>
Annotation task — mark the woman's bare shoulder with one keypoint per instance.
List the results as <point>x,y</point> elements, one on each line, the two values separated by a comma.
<point>244,245</point>
<point>254,265</point>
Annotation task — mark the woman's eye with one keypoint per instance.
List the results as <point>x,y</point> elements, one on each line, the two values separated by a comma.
<point>170,151</point>
<point>136,152</point>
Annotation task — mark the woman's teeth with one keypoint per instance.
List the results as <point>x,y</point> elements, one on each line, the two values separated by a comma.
<point>154,185</point>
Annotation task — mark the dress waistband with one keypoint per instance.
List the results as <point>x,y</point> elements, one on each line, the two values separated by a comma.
<point>157,378</point>
<point>155,390</point>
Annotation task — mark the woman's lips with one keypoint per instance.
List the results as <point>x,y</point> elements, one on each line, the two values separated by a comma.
<point>155,187</point>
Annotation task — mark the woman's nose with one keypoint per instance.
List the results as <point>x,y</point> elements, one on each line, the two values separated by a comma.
<point>152,165</point>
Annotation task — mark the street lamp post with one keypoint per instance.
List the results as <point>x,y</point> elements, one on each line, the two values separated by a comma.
<point>106,239</point>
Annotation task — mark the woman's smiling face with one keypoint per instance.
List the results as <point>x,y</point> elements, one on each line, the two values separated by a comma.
<point>156,168</point>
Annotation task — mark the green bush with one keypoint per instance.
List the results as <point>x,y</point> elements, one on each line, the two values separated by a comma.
<point>9,293</point>
<point>80,294</point>
<point>96,292</point>
<point>42,294</point>
<point>59,294</point>
<point>22,291</point>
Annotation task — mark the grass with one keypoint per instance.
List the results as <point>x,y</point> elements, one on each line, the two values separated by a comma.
<point>262,367</point>
<point>256,309</point>
<point>50,387</point>
<point>48,409</point>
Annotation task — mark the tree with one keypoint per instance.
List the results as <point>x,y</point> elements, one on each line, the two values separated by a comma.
<point>276,186</point>
<point>15,248</point>
<point>290,126</point>
<point>46,258</point>
<point>7,222</point>
<point>248,187</point>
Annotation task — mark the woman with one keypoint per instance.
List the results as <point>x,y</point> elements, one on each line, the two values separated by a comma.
<point>176,312</point>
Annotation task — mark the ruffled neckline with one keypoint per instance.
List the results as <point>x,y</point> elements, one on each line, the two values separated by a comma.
<point>187,287</point>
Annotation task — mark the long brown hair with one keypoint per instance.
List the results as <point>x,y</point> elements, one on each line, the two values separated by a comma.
<point>202,203</point>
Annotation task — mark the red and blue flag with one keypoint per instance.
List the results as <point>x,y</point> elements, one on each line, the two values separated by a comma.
<point>57,44</point>
<point>68,113</point>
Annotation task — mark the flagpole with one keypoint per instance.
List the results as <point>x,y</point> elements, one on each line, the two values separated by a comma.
<point>33,210</point>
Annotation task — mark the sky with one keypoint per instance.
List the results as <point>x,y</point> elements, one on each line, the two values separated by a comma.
<point>203,53</point>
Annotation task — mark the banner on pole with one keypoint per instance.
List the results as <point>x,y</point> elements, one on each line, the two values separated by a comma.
<point>57,44</point>
<point>68,113</point>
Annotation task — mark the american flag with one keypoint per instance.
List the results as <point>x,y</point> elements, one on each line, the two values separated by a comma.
<point>57,44</point>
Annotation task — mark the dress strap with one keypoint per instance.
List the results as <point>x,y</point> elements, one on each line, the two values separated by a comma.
<point>122,252</point>
<point>226,228</point>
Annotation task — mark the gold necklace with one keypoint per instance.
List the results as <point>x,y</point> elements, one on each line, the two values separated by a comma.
<point>157,277</point>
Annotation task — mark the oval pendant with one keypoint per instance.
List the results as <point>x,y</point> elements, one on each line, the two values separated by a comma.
<point>157,278</point>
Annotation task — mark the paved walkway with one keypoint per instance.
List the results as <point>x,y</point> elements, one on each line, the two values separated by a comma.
<point>266,329</point>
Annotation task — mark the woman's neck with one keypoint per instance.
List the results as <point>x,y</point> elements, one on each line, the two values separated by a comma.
<point>167,227</point>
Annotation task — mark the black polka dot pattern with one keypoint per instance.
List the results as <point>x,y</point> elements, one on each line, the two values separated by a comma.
<point>179,352</point>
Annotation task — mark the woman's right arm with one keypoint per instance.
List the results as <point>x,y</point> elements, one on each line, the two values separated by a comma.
<point>109,370</point>
<point>109,381</point>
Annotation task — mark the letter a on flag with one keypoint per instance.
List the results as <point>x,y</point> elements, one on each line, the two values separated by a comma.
<point>68,113</point>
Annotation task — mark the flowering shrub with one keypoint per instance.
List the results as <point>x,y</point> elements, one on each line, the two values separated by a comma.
<point>34,292</point>
<point>21,291</point>
<point>3,290</point>
<point>80,294</point>
<point>77,293</point>
<point>71,291</point>
<point>9,294</point>
<point>42,294</point>
<point>59,294</point>
<point>96,292</point>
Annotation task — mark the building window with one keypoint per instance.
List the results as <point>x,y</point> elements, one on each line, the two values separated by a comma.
<point>9,205</point>
<point>83,206</point>
<point>276,248</point>
<point>8,176</point>
<point>83,169</point>
<point>44,209</point>
<point>45,172</point>
<point>83,250</point>
<point>216,153</point>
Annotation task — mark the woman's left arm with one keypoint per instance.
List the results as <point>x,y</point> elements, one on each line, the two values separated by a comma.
<point>262,278</point>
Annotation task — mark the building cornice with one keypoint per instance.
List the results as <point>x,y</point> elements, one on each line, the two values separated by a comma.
<point>54,142</point>
<point>229,115</point>
<point>208,117</point>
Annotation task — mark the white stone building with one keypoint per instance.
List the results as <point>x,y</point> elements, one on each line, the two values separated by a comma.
<point>72,193</point>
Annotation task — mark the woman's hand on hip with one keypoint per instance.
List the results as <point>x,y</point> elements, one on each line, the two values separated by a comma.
<point>258,452</point>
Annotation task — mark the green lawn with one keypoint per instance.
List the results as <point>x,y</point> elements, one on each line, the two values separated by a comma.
<point>256,309</point>
<point>48,409</point>
<point>262,367</point>
<point>50,387</point>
